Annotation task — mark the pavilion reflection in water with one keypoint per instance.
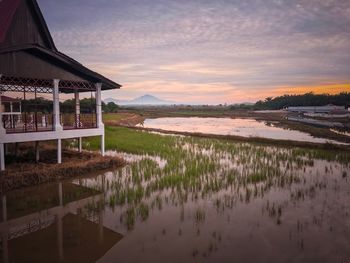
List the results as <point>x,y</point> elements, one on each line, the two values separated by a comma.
<point>62,222</point>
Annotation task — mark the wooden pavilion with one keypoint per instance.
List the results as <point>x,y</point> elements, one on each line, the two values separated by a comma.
<point>30,63</point>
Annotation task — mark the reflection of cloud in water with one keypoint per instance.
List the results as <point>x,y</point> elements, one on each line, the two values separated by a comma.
<point>136,158</point>
<point>229,126</point>
<point>210,200</point>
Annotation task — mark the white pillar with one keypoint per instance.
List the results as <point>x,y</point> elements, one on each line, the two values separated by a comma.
<point>2,129</point>
<point>59,151</point>
<point>11,116</point>
<point>99,121</point>
<point>77,113</point>
<point>77,102</point>
<point>103,144</point>
<point>77,109</point>
<point>56,106</point>
<point>99,106</point>
<point>80,144</point>
<point>2,134</point>
<point>2,157</point>
<point>37,154</point>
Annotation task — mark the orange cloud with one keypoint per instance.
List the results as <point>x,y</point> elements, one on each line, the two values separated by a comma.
<point>319,89</point>
<point>215,92</point>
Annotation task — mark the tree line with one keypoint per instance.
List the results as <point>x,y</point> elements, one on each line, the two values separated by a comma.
<point>87,105</point>
<point>308,99</point>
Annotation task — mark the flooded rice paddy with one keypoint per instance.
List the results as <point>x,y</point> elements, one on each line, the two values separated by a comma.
<point>197,200</point>
<point>229,126</point>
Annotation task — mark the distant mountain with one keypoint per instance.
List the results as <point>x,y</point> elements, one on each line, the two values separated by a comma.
<point>143,100</point>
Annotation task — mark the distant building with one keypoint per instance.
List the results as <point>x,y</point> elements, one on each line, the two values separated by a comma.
<point>327,109</point>
<point>30,64</point>
<point>11,111</point>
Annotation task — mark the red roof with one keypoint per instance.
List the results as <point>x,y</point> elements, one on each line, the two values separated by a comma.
<point>7,10</point>
<point>8,99</point>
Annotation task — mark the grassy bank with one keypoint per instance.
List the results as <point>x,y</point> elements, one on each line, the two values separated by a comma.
<point>134,141</point>
<point>139,141</point>
<point>132,118</point>
<point>23,171</point>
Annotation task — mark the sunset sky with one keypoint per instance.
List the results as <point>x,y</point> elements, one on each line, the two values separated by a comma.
<point>199,51</point>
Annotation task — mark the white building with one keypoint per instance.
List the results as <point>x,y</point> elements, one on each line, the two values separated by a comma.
<point>328,109</point>
<point>29,64</point>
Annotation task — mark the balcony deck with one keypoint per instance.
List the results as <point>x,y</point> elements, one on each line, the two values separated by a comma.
<point>29,123</point>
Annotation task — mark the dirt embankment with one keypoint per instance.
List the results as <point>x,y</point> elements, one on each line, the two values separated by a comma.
<point>123,119</point>
<point>25,172</point>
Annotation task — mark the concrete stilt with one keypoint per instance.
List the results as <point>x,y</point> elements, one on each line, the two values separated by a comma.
<point>59,151</point>
<point>2,157</point>
<point>37,153</point>
<point>5,252</point>
<point>103,145</point>
<point>4,208</point>
<point>59,231</point>
<point>60,193</point>
<point>16,149</point>
<point>80,144</point>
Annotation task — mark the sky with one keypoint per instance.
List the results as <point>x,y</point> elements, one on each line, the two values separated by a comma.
<point>210,52</point>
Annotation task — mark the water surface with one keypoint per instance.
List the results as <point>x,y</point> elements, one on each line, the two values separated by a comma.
<point>229,126</point>
<point>199,200</point>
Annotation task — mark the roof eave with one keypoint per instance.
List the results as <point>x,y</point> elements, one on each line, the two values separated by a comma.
<point>107,84</point>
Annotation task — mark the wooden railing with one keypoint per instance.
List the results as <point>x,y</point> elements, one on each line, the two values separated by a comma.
<point>78,121</point>
<point>27,122</point>
<point>38,122</point>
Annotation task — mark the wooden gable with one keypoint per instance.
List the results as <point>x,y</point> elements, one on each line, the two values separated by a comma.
<point>27,49</point>
<point>27,26</point>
